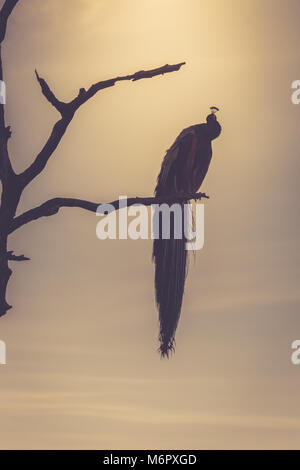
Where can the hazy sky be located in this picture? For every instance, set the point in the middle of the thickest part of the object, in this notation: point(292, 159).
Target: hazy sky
point(82, 368)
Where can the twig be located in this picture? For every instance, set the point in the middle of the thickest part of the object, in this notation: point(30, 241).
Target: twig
point(12, 257)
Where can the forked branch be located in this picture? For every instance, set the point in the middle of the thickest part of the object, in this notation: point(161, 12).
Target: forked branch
point(67, 111)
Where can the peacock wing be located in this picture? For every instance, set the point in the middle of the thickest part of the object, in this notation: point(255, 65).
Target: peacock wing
point(177, 167)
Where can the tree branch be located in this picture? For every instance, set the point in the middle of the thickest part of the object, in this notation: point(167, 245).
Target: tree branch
point(52, 206)
point(12, 257)
point(67, 111)
point(48, 93)
point(42, 158)
point(84, 95)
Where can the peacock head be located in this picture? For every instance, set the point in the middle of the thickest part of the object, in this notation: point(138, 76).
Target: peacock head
point(213, 126)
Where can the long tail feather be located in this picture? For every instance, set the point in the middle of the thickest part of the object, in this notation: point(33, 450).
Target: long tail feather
point(170, 258)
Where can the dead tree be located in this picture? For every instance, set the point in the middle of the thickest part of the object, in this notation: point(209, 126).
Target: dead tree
point(13, 184)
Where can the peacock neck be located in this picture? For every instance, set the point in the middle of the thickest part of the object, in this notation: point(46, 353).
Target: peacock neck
point(214, 129)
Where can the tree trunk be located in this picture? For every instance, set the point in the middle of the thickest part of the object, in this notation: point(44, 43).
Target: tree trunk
point(11, 192)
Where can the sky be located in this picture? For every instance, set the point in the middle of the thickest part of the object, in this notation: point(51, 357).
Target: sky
point(82, 368)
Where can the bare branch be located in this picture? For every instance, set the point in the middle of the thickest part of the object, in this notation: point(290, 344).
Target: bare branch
point(42, 158)
point(52, 206)
point(67, 111)
point(12, 257)
point(84, 95)
point(5, 12)
point(48, 93)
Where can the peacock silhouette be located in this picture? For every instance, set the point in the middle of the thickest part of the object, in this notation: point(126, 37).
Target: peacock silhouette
point(182, 172)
